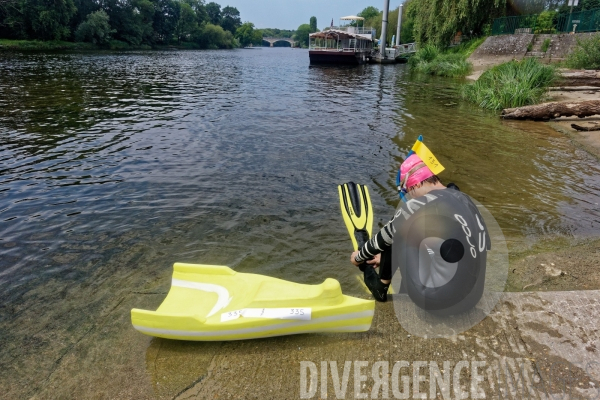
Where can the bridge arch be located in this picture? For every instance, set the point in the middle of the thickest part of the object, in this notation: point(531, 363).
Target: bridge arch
point(273, 40)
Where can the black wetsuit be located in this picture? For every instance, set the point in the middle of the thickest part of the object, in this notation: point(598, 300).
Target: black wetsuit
point(382, 243)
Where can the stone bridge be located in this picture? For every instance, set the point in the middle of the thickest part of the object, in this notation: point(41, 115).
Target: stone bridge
point(272, 40)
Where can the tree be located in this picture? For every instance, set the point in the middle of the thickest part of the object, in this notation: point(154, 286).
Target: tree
point(213, 10)
point(214, 37)
point(84, 8)
point(245, 33)
point(302, 34)
point(48, 20)
point(258, 37)
point(458, 16)
point(199, 10)
point(187, 24)
point(230, 19)
point(95, 29)
point(369, 12)
point(313, 24)
point(408, 24)
point(166, 17)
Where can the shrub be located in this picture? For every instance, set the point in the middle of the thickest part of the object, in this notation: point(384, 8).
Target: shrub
point(429, 60)
point(512, 84)
point(426, 53)
point(468, 47)
point(214, 37)
point(586, 55)
point(95, 29)
point(545, 45)
point(119, 45)
point(546, 22)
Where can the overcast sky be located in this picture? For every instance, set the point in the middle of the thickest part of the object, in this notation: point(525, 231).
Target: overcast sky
point(289, 14)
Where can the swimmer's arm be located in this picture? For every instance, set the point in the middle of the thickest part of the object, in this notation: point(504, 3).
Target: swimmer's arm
point(378, 243)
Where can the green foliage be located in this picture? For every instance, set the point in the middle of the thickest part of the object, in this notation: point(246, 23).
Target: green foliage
point(95, 29)
point(546, 22)
point(467, 47)
point(47, 20)
point(121, 24)
point(373, 18)
point(215, 37)
point(246, 34)
point(430, 60)
point(586, 55)
point(230, 20)
point(530, 46)
point(545, 45)
point(119, 45)
point(375, 22)
point(427, 53)
point(458, 16)
point(257, 38)
point(199, 10)
point(408, 24)
point(36, 45)
point(274, 32)
point(187, 25)
point(313, 24)
point(452, 62)
point(213, 10)
point(512, 84)
point(583, 5)
point(302, 33)
point(369, 12)
point(486, 30)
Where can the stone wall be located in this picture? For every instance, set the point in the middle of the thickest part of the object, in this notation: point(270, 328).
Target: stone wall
point(503, 48)
point(562, 44)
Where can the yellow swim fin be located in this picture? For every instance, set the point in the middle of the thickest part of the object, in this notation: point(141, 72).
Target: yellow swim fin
point(357, 212)
point(216, 303)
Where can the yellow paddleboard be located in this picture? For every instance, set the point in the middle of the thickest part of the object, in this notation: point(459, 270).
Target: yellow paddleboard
point(213, 303)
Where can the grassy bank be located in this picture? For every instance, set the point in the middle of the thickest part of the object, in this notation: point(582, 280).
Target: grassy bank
point(512, 84)
point(450, 62)
point(7, 44)
point(38, 45)
point(586, 55)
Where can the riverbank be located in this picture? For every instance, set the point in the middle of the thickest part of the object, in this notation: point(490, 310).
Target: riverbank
point(497, 50)
point(37, 45)
point(539, 335)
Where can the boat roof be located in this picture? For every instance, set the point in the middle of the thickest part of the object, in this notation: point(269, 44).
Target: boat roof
point(352, 18)
point(338, 34)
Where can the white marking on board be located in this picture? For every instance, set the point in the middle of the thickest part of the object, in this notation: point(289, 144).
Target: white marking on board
point(272, 313)
point(222, 293)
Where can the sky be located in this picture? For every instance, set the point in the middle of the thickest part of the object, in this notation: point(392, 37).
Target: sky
point(289, 14)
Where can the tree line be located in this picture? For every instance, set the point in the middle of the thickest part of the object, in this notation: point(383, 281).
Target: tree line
point(123, 22)
point(422, 20)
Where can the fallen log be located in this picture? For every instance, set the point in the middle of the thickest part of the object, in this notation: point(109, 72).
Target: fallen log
point(573, 88)
point(580, 78)
point(546, 111)
point(585, 128)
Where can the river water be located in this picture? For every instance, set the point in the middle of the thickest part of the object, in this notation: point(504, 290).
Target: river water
point(115, 165)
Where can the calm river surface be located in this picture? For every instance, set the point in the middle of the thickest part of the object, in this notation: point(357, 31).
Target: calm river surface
point(115, 165)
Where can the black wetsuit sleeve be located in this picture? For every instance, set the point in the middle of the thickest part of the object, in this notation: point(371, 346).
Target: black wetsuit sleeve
point(378, 243)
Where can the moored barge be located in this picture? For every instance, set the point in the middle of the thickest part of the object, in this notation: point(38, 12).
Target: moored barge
point(342, 44)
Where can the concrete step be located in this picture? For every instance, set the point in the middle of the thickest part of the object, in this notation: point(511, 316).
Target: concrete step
point(538, 54)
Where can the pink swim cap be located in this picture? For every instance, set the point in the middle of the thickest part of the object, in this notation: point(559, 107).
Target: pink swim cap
point(413, 171)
